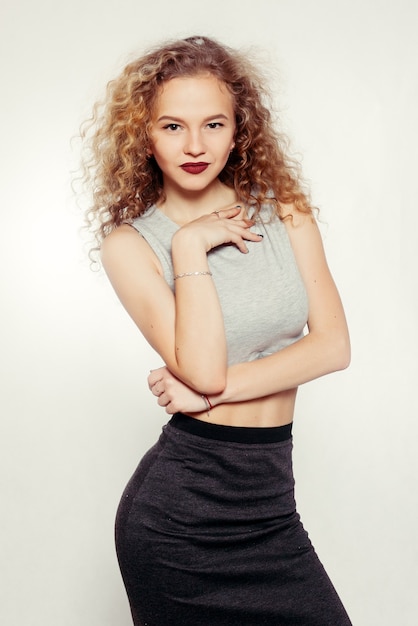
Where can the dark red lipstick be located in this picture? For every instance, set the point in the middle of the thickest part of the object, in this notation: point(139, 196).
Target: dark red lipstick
point(194, 168)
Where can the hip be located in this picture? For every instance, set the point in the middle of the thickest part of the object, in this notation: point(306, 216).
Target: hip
point(213, 479)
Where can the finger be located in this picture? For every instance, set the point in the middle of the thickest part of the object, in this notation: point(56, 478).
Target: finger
point(238, 240)
point(153, 382)
point(157, 390)
point(249, 236)
point(154, 377)
point(163, 400)
point(170, 409)
point(230, 212)
point(241, 236)
point(242, 223)
point(241, 228)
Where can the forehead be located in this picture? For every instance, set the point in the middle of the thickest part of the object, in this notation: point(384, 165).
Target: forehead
point(202, 93)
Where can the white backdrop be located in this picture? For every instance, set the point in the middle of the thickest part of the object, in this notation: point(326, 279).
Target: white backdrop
point(76, 414)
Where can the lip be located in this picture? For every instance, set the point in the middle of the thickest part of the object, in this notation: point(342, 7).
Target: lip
point(194, 168)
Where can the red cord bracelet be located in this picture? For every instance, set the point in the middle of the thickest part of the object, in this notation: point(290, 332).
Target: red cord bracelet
point(208, 402)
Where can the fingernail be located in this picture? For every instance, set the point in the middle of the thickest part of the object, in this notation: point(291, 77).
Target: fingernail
point(260, 235)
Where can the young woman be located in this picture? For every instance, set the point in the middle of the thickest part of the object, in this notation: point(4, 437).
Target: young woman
point(210, 243)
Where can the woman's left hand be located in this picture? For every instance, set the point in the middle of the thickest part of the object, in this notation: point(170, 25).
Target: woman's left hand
point(173, 394)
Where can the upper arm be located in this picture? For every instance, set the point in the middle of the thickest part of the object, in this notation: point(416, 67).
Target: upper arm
point(136, 276)
point(326, 313)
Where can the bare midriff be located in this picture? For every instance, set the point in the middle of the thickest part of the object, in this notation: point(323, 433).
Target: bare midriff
point(274, 410)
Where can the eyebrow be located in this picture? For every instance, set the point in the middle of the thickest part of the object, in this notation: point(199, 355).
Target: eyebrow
point(178, 119)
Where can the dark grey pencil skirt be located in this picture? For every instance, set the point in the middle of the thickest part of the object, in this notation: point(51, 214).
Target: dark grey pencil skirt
point(207, 533)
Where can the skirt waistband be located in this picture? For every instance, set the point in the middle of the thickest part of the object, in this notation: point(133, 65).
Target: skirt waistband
point(237, 434)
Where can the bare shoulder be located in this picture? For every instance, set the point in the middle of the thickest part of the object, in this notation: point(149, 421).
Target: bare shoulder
point(296, 220)
point(304, 235)
point(132, 266)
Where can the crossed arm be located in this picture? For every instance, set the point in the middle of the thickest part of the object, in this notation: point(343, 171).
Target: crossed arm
point(196, 362)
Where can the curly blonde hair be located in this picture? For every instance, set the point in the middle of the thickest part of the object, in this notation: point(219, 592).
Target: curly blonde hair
point(125, 181)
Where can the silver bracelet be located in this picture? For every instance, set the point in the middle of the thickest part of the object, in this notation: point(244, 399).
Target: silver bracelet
point(192, 274)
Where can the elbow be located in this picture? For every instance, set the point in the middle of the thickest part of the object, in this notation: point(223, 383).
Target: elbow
point(207, 382)
point(210, 386)
point(333, 350)
point(341, 352)
point(205, 377)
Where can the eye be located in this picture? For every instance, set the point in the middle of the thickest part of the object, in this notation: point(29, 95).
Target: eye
point(215, 125)
point(172, 127)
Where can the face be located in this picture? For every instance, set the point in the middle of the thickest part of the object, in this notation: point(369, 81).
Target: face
point(192, 132)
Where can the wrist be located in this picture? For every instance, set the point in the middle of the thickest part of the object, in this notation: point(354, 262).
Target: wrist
point(208, 403)
point(185, 242)
point(188, 257)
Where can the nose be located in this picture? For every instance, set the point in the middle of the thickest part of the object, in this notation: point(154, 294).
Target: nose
point(194, 145)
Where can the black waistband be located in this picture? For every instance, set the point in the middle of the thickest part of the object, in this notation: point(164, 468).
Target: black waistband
point(237, 434)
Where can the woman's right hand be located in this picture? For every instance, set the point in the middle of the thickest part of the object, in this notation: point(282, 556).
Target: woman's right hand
point(225, 226)
point(174, 395)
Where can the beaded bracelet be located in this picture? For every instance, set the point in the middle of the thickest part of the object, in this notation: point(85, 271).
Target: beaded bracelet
point(192, 274)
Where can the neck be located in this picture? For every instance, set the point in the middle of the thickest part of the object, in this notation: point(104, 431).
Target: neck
point(184, 206)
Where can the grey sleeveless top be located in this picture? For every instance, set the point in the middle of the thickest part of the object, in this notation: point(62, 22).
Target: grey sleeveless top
point(262, 295)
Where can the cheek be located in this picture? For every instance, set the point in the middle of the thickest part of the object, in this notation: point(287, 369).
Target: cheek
point(157, 150)
point(155, 143)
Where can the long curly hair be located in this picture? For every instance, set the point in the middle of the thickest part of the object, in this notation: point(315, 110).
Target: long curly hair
point(124, 181)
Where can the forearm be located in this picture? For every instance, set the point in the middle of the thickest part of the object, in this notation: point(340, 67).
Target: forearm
point(311, 357)
point(326, 348)
point(200, 344)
